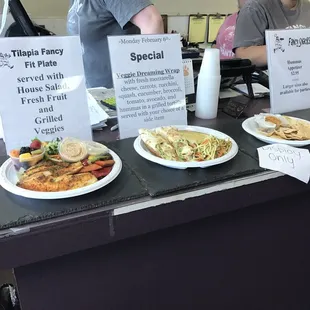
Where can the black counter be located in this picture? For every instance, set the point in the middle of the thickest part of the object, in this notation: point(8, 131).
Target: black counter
point(227, 237)
point(139, 178)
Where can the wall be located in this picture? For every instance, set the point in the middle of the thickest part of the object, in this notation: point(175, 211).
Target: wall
point(59, 8)
point(52, 13)
point(186, 7)
point(46, 8)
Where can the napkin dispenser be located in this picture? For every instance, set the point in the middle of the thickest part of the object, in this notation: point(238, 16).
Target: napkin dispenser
point(261, 77)
point(192, 53)
point(234, 68)
point(231, 69)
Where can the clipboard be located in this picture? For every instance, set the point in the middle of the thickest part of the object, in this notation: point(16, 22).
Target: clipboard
point(197, 29)
point(165, 21)
point(215, 23)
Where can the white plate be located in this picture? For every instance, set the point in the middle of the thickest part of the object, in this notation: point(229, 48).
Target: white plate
point(8, 180)
point(251, 127)
point(145, 153)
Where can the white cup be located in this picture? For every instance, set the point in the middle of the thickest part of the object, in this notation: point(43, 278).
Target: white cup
point(207, 97)
point(211, 62)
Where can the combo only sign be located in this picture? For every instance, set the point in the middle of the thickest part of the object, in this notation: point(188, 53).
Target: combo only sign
point(43, 90)
point(286, 159)
point(289, 66)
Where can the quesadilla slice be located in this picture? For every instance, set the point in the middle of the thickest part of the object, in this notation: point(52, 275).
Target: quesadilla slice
point(181, 145)
point(157, 145)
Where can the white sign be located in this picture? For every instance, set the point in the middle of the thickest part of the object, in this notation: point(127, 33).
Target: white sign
point(289, 160)
point(97, 115)
point(289, 66)
point(43, 90)
point(149, 82)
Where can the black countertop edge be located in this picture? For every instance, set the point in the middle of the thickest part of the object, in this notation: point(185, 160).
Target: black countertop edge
point(102, 228)
point(45, 222)
point(28, 220)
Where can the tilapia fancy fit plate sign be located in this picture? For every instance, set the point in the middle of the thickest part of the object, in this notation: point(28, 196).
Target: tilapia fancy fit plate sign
point(43, 91)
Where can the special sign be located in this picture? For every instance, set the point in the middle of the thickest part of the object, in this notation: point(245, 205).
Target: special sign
point(149, 83)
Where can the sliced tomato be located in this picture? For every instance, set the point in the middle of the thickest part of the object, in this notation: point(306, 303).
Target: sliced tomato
point(101, 173)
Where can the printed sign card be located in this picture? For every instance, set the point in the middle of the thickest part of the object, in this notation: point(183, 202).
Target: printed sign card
point(149, 82)
point(292, 161)
point(43, 90)
point(188, 76)
point(289, 66)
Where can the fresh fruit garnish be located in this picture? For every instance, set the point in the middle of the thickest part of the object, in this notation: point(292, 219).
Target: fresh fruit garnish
point(24, 149)
point(25, 157)
point(14, 153)
point(36, 152)
point(35, 144)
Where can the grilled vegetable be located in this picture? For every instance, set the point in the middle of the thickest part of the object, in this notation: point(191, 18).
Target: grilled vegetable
point(90, 168)
point(105, 163)
point(99, 174)
point(93, 158)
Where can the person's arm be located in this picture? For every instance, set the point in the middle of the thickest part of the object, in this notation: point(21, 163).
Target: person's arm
point(141, 13)
point(249, 42)
point(257, 54)
point(149, 21)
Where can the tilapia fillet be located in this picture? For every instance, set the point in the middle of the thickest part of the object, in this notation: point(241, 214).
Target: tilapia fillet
point(53, 169)
point(48, 176)
point(44, 182)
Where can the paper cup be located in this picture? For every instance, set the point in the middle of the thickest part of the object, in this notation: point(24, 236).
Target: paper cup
point(207, 97)
point(211, 63)
point(22, 166)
